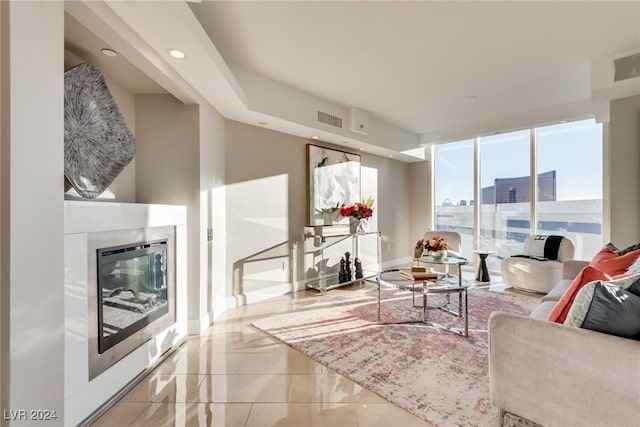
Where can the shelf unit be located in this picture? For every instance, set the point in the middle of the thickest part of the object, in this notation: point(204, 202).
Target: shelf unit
point(323, 250)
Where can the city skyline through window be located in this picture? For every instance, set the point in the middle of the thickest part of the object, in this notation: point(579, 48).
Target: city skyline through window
point(568, 201)
point(504, 165)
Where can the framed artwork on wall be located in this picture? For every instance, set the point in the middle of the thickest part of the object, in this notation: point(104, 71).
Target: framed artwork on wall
point(333, 180)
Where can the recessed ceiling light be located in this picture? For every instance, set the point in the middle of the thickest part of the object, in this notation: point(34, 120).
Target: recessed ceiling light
point(361, 148)
point(564, 121)
point(315, 137)
point(177, 53)
point(109, 52)
point(391, 155)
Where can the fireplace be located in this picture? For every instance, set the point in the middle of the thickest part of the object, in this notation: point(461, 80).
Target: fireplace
point(132, 295)
point(132, 290)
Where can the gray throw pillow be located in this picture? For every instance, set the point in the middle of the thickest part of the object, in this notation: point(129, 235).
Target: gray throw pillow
point(635, 288)
point(614, 311)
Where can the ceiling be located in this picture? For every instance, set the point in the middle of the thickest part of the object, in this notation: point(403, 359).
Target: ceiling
point(426, 65)
point(86, 46)
point(423, 72)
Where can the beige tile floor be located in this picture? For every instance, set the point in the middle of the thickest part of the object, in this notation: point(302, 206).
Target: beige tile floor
point(235, 375)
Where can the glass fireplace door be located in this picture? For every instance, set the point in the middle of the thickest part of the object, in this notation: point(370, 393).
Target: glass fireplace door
point(132, 289)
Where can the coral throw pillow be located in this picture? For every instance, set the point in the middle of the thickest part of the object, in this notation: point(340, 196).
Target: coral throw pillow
point(613, 264)
point(586, 275)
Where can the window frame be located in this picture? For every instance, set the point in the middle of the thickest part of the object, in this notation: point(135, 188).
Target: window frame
point(533, 188)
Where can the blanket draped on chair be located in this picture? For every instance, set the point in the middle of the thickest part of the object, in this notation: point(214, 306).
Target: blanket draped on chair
point(543, 248)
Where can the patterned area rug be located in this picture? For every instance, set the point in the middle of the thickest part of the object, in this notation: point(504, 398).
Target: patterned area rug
point(436, 375)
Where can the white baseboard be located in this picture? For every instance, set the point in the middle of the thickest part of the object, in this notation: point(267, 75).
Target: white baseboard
point(196, 327)
point(220, 308)
point(263, 294)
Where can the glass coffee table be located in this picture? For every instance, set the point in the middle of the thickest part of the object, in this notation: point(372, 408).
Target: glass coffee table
point(443, 284)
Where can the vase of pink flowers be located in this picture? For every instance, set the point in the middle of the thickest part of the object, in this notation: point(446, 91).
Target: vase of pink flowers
point(436, 247)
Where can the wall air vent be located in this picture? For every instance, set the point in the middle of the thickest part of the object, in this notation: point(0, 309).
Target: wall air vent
point(329, 119)
point(627, 67)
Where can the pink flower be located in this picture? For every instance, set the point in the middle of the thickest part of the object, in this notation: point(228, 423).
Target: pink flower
point(436, 243)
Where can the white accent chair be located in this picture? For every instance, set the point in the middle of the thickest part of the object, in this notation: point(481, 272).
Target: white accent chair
point(531, 275)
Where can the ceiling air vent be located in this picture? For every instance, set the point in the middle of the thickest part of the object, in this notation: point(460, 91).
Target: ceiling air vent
point(329, 119)
point(627, 67)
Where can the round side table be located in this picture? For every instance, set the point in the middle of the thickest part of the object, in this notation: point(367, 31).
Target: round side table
point(483, 271)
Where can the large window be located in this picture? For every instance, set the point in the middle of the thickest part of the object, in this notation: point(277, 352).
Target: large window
point(453, 171)
point(567, 200)
point(505, 184)
point(570, 157)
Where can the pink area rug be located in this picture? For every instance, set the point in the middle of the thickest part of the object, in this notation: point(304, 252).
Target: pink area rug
point(436, 375)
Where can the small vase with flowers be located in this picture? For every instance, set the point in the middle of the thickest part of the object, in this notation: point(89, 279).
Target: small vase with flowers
point(436, 247)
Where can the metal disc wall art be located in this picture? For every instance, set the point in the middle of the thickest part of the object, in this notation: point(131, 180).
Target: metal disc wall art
point(97, 142)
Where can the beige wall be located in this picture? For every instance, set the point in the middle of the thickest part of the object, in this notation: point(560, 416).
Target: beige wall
point(623, 178)
point(389, 182)
point(212, 214)
point(266, 206)
point(265, 179)
point(181, 160)
point(4, 104)
point(123, 187)
point(32, 282)
point(167, 170)
point(167, 151)
point(420, 218)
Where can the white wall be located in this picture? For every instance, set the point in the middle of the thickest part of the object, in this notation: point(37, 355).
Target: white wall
point(624, 174)
point(279, 100)
point(32, 209)
point(88, 224)
point(266, 208)
point(212, 215)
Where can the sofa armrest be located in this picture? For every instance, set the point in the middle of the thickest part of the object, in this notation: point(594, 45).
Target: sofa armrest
point(571, 268)
point(558, 375)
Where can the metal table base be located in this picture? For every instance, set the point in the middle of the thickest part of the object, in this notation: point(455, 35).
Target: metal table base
point(423, 288)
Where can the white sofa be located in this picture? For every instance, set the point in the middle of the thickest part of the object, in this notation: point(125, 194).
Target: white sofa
point(557, 375)
point(536, 276)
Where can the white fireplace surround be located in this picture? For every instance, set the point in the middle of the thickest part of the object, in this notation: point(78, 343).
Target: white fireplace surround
point(83, 396)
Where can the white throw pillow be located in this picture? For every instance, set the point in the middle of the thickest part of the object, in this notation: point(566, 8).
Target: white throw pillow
point(635, 267)
point(536, 245)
